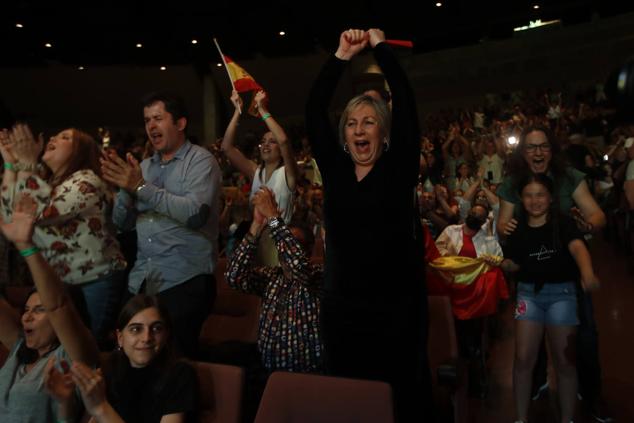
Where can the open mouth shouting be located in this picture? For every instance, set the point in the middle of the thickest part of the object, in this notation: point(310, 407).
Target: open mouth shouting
point(362, 146)
point(538, 164)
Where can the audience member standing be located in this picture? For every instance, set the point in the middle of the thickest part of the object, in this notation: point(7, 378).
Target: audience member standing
point(172, 198)
point(74, 204)
point(373, 311)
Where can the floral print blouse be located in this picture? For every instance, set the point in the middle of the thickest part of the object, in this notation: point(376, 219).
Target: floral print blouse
point(72, 225)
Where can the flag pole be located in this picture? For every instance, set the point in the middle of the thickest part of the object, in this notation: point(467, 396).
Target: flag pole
point(222, 56)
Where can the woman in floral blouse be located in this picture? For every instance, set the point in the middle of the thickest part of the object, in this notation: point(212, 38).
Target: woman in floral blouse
point(72, 227)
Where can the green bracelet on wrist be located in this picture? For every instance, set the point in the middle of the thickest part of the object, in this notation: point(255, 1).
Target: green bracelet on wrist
point(9, 166)
point(265, 116)
point(29, 251)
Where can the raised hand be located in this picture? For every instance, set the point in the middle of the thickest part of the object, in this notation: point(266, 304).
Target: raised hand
point(25, 148)
point(59, 385)
point(260, 99)
point(375, 36)
point(351, 42)
point(264, 202)
point(236, 100)
point(6, 147)
point(92, 387)
point(20, 229)
point(124, 174)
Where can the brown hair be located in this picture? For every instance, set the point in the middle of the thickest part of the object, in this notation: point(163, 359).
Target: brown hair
point(85, 155)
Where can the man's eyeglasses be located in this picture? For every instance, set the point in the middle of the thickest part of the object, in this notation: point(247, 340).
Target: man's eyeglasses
point(531, 148)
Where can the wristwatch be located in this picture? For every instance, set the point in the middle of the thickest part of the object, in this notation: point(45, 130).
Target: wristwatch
point(140, 186)
point(274, 222)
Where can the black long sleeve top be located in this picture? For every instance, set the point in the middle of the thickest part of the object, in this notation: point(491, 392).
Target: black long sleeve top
point(373, 251)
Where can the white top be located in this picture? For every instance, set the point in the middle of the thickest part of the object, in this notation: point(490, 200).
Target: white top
point(493, 164)
point(449, 242)
point(277, 184)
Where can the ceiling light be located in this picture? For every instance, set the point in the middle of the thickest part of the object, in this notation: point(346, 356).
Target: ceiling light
point(194, 41)
point(282, 33)
point(163, 68)
point(19, 25)
point(219, 64)
point(535, 6)
point(80, 68)
point(48, 45)
point(439, 4)
point(139, 45)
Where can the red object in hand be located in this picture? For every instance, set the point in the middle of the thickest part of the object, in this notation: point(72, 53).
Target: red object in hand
point(400, 43)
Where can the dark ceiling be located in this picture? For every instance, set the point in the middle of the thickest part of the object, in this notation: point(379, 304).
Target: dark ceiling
point(105, 33)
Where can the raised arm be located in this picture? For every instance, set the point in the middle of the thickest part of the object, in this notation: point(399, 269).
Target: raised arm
point(242, 274)
point(286, 149)
point(293, 259)
point(9, 175)
point(235, 156)
point(322, 137)
point(69, 328)
point(405, 132)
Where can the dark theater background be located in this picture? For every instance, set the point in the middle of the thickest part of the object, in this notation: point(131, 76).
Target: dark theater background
point(88, 64)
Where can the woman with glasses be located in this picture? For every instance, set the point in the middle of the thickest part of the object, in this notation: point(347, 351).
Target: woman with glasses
point(278, 170)
point(539, 153)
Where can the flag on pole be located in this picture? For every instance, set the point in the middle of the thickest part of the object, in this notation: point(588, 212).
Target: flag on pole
point(242, 81)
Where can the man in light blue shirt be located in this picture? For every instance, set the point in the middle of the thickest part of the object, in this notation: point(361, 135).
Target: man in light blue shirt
point(172, 199)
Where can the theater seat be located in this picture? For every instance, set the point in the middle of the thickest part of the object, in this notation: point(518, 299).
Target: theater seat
point(229, 333)
point(304, 398)
point(449, 371)
point(220, 393)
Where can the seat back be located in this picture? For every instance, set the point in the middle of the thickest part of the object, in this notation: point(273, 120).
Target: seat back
point(306, 398)
point(449, 373)
point(442, 332)
point(234, 316)
point(220, 392)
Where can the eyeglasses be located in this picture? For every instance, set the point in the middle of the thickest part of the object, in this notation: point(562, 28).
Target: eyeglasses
point(531, 148)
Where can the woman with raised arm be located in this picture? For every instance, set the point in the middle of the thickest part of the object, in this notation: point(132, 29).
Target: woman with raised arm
point(49, 332)
point(72, 226)
point(278, 170)
point(373, 311)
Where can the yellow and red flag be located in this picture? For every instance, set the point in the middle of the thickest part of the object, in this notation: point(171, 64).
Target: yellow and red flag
point(242, 81)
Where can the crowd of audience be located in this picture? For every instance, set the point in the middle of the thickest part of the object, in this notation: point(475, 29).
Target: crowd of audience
point(190, 205)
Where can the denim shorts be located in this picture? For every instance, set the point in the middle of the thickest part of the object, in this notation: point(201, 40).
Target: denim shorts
point(554, 304)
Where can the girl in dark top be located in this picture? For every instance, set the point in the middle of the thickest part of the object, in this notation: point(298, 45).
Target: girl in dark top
point(548, 252)
point(143, 381)
point(373, 312)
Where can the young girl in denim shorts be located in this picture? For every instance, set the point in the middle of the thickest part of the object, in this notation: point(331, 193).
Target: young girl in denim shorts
point(549, 255)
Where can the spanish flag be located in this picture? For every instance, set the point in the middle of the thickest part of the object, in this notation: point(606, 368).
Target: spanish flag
point(241, 79)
